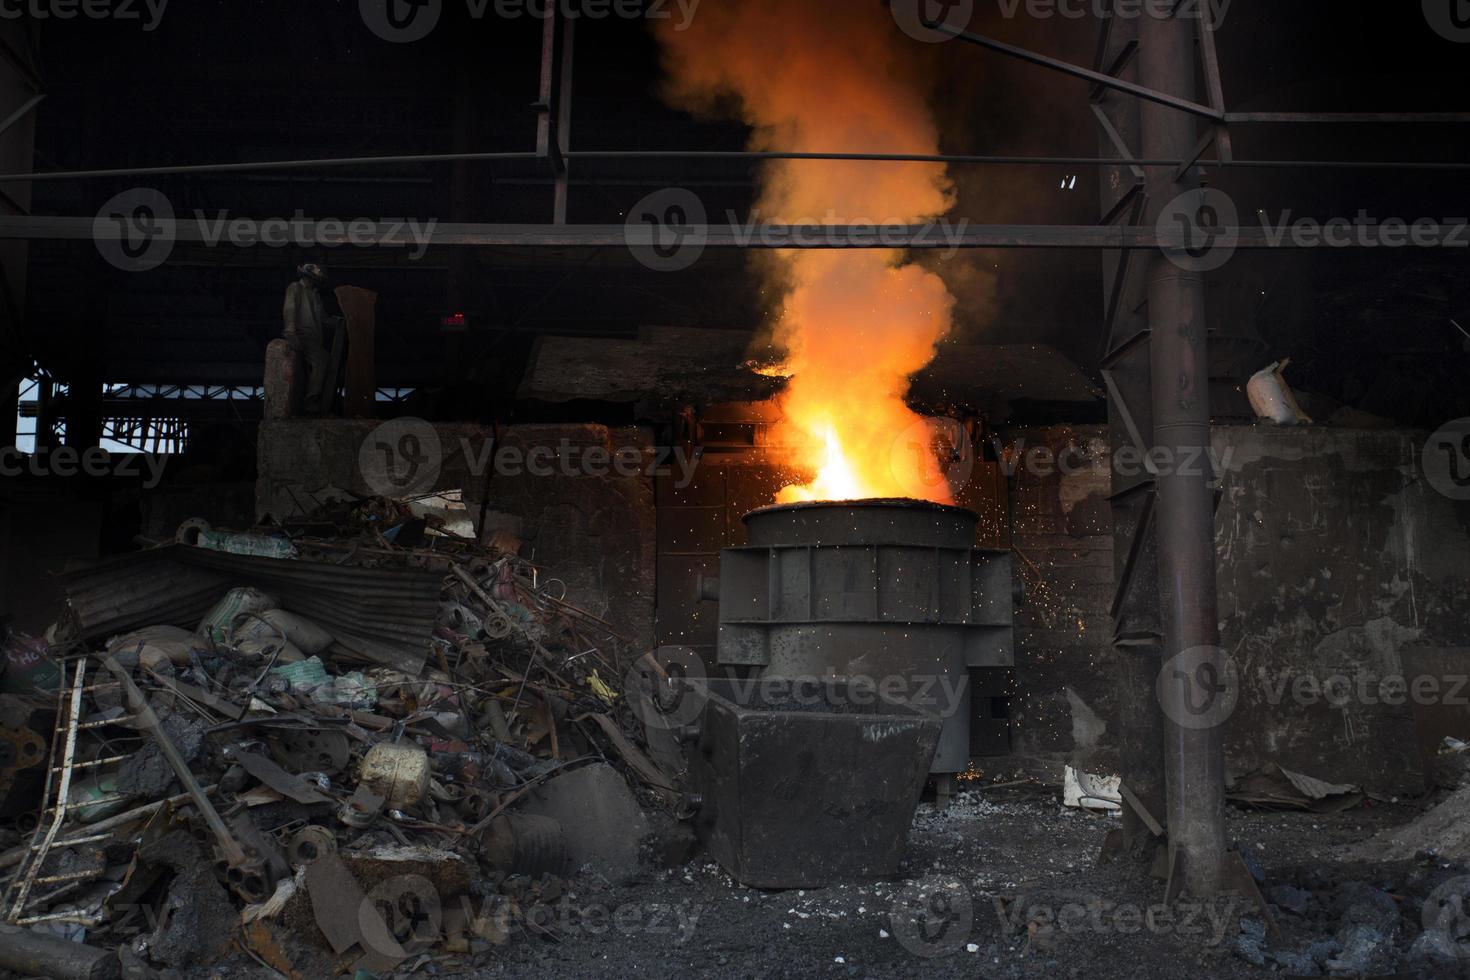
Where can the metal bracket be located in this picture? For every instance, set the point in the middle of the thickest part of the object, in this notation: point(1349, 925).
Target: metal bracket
point(1135, 548)
point(1236, 876)
point(1120, 277)
point(1136, 805)
point(1134, 435)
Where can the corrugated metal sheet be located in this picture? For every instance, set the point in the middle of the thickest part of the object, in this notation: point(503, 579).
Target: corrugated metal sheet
point(117, 595)
point(384, 615)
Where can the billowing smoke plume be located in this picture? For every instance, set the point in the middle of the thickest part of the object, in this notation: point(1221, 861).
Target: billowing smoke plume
point(835, 75)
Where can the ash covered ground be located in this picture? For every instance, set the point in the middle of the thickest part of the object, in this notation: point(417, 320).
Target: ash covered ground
point(1003, 884)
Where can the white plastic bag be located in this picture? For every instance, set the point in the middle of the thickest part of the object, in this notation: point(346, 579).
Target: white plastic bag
point(1272, 398)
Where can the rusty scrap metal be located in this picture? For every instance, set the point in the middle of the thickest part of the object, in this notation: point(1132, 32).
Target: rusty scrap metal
point(33, 954)
point(287, 784)
point(521, 694)
point(247, 875)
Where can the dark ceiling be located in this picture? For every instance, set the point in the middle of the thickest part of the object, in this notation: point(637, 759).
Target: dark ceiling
point(230, 81)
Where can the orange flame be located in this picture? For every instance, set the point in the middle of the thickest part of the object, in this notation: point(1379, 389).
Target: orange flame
point(856, 324)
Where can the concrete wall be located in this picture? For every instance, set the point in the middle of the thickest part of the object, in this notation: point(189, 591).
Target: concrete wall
point(1335, 556)
point(305, 464)
point(164, 508)
point(585, 522)
point(596, 533)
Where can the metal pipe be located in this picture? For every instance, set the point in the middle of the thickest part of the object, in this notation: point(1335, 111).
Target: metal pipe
point(1193, 748)
point(564, 121)
point(234, 854)
point(942, 236)
point(753, 156)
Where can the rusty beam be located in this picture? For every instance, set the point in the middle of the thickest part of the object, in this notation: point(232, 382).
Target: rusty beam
point(959, 235)
point(740, 156)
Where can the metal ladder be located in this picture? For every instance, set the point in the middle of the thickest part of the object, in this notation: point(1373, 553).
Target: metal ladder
point(55, 807)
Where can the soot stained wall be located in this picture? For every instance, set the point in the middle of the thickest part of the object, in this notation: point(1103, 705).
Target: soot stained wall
point(1335, 556)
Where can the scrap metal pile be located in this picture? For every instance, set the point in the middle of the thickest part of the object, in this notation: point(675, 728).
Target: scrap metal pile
point(329, 753)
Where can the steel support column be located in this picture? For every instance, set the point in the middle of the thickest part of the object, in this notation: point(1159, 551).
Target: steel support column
point(83, 408)
point(1137, 635)
point(9, 404)
point(1184, 506)
point(45, 415)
